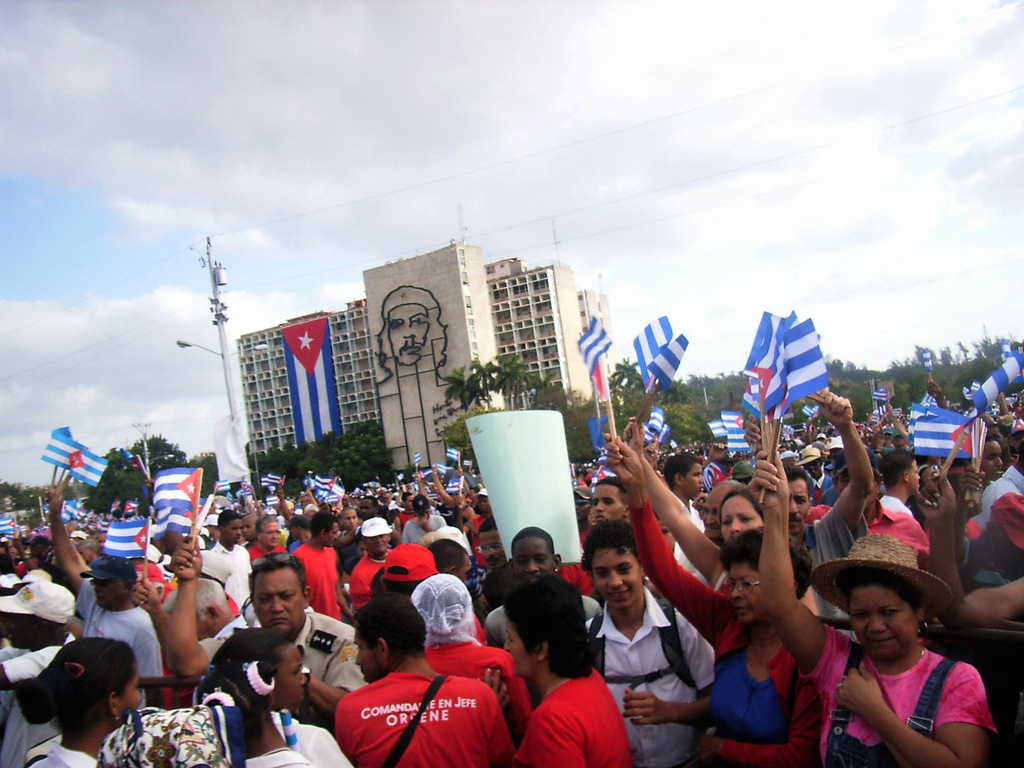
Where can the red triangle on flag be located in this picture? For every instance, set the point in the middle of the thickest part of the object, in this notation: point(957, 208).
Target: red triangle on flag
point(306, 341)
point(75, 460)
point(190, 486)
point(140, 537)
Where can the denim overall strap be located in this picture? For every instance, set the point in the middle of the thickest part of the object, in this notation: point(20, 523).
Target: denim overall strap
point(923, 719)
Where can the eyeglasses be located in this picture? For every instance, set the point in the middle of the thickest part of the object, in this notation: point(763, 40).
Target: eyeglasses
point(741, 586)
point(491, 547)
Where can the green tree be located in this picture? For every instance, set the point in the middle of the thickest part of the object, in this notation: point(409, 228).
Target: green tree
point(361, 454)
point(511, 378)
point(208, 462)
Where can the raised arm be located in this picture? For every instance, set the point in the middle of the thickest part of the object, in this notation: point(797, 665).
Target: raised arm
point(67, 557)
point(799, 630)
point(185, 656)
point(850, 503)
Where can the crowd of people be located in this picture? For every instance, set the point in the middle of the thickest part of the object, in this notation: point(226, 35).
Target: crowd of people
point(756, 610)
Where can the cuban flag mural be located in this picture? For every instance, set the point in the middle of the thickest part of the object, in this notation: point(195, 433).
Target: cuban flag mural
point(314, 394)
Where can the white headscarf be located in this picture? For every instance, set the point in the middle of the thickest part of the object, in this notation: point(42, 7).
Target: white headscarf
point(447, 609)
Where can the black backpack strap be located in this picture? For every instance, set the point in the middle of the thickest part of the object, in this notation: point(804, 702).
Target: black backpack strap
point(672, 647)
point(595, 643)
point(403, 741)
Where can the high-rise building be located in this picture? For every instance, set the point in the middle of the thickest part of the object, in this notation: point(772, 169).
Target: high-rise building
point(536, 317)
point(265, 386)
point(422, 318)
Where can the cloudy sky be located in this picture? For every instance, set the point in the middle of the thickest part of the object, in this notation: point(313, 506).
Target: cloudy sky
point(860, 164)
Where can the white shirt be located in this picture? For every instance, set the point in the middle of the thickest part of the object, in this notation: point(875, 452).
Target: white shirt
point(237, 584)
point(657, 746)
point(895, 505)
point(681, 558)
point(1012, 481)
point(61, 757)
point(19, 734)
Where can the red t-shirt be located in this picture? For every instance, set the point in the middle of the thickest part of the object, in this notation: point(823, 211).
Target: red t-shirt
point(579, 578)
point(256, 552)
point(578, 725)
point(359, 581)
point(321, 578)
point(463, 725)
point(469, 660)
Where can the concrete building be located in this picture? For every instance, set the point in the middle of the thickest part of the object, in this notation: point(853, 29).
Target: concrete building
point(422, 318)
point(265, 388)
point(536, 317)
point(428, 315)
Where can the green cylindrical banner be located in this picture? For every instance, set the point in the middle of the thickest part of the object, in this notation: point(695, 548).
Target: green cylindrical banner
point(524, 462)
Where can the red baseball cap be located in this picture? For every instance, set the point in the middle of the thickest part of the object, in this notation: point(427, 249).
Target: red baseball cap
point(1009, 511)
point(410, 562)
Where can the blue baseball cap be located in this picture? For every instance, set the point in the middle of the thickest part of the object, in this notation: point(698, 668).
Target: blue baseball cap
point(108, 567)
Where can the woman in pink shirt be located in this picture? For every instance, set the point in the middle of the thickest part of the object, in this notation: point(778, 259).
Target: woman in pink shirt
point(886, 700)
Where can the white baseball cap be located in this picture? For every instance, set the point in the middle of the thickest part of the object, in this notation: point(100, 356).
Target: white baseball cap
point(43, 599)
point(375, 526)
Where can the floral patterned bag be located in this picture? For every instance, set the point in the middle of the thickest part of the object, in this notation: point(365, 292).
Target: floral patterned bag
point(192, 737)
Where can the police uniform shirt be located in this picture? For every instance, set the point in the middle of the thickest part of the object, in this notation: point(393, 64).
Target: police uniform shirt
point(328, 650)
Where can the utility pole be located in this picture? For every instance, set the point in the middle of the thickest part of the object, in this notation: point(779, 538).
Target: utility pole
point(219, 277)
point(143, 428)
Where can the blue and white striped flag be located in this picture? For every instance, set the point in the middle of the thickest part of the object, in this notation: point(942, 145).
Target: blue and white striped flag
point(416, 458)
point(927, 401)
point(881, 395)
point(673, 444)
point(718, 428)
point(656, 420)
point(131, 508)
point(454, 485)
point(927, 355)
point(324, 483)
point(126, 538)
point(245, 488)
point(664, 433)
point(811, 411)
point(735, 432)
point(307, 481)
point(1000, 379)
point(270, 480)
point(452, 454)
point(665, 364)
point(65, 452)
point(805, 364)
point(70, 510)
point(441, 469)
point(766, 362)
point(173, 495)
point(933, 432)
point(917, 410)
point(222, 486)
point(6, 525)
point(1005, 353)
point(594, 343)
point(649, 343)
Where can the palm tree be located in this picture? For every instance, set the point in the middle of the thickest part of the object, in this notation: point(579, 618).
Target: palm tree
point(626, 376)
point(464, 389)
point(511, 378)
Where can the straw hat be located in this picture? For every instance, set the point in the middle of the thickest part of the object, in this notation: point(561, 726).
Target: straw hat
point(883, 553)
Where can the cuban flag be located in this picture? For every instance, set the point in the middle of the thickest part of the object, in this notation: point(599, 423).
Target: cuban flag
point(126, 538)
point(271, 480)
point(718, 428)
point(926, 355)
point(601, 474)
point(222, 486)
point(936, 431)
point(766, 362)
point(657, 420)
point(6, 525)
point(735, 432)
point(805, 364)
point(175, 498)
point(810, 411)
point(417, 459)
point(70, 510)
point(272, 501)
point(245, 488)
point(454, 485)
point(65, 452)
point(751, 400)
point(927, 401)
point(115, 506)
point(1001, 377)
point(594, 343)
point(452, 454)
point(310, 366)
point(666, 430)
point(665, 364)
point(134, 460)
point(881, 395)
point(131, 508)
point(673, 445)
point(649, 343)
point(970, 391)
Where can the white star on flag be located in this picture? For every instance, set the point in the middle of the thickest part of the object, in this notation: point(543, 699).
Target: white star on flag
point(306, 340)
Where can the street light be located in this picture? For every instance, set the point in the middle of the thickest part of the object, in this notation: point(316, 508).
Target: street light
point(232, 408)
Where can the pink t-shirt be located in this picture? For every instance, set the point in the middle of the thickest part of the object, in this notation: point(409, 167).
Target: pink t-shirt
point(963, 696)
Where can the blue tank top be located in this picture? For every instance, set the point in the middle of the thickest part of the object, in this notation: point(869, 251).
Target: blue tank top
point(745, 709)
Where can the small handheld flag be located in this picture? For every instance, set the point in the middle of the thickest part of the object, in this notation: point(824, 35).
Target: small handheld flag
point(126, 538)
point(811, 411)
point(594, 343)
point(175, 498)
point(926, 354)
point(452, 454)
point(1000, 379)
point(649, 343)
point(417, 459)
point(665, 364)
point(271, 480)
